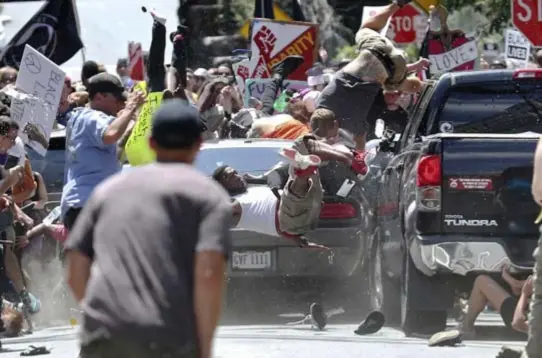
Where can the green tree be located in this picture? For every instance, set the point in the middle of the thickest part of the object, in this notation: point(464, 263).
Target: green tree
point(496, 11)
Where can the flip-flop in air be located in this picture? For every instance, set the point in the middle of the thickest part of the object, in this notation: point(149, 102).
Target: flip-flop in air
point(35, 351)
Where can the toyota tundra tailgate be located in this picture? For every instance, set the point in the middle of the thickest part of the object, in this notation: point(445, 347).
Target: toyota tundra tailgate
point(486, 185)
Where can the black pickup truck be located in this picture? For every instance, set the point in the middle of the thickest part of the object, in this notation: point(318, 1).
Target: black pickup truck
point(455, 198)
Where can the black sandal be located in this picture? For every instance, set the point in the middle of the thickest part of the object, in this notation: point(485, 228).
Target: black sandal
point(35, 351)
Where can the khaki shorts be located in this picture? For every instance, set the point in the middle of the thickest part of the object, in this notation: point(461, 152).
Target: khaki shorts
point(298, 215)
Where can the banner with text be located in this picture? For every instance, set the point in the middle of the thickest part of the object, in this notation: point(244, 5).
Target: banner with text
point(273, 41)
point(42, 81)
point(255, 87)
point(138, 151)
point(517, 47)
point(460, 54)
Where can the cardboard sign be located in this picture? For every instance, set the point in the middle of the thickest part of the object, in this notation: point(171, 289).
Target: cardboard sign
point(137, 147)
point(517, 47)
point(241, 71)
point(255, 87)
point(273, 41)
point(43, 81)
point(460, 57)
point(136, 66)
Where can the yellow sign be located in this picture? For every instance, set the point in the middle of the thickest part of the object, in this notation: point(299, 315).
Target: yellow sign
point(426, 3)
point(137, 147)
point(279, 15)
point(140, 86)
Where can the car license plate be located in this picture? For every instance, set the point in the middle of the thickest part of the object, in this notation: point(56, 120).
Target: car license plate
point(252, 260)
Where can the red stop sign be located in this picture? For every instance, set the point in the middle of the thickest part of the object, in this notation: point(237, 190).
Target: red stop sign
point(403, 24)
point(527, 18)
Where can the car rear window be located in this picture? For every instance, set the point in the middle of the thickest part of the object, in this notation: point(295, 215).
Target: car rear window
point(493, 108)
point(253, 160)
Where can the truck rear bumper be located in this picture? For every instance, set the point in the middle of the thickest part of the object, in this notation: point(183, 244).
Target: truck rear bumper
point(459, 255)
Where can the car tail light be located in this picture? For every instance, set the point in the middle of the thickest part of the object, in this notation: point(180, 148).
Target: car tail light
point(429, 171)
point(527, 73)
point(338, 211)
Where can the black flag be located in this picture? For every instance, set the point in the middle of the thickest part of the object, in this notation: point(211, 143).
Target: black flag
point(264, 9)
point(297, 13)
point(53, 31)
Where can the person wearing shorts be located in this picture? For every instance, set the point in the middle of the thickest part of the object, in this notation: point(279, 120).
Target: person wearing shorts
point(296, 210)
point(352, 91)
point(503, 295)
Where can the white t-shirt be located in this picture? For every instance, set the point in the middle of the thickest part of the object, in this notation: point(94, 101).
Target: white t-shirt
point(259, 206)
point(18, 151)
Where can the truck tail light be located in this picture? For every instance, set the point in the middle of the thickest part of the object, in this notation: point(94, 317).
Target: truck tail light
point(428, 181)
point(526, 73)
point(429, 171)
point(338, 211)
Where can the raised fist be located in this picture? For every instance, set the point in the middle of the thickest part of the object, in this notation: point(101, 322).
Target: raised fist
point(265, 40)
point(243, 72)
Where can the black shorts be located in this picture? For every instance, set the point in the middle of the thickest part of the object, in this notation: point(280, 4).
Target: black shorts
point(507, 309)
point(350, 99)
point(71, 216)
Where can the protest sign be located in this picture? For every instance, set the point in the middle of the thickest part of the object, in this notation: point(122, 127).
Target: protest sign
point(241, 71)
point(255, 87)
point(459, 55)
point(517, 47)
point(137, 147)
point(136, 65)
point(273, 41)
point(43, 82)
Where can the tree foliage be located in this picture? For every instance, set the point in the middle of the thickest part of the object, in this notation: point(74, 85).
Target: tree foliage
point(496, 11)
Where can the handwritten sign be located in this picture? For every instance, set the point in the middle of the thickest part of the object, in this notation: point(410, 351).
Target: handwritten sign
point(43, 81)
point(272, 41)
point(462, 56)
point(255, 87)
point(517, 47)
point(137, 147)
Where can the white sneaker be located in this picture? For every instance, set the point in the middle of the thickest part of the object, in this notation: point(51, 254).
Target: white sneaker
point(300, 161)
point(157, 17)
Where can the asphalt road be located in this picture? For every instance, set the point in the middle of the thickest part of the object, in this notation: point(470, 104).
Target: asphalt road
point(277, 340)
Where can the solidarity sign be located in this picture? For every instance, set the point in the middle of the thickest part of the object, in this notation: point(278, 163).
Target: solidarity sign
point(273, 41)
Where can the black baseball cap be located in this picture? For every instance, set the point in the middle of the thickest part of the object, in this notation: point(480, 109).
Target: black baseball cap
point(106, 83)
point(176, 125)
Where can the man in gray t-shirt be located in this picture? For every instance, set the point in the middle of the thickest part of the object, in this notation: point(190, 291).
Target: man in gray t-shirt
point(146, 257)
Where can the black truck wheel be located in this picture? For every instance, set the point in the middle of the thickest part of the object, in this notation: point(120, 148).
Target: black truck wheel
point(414, 318)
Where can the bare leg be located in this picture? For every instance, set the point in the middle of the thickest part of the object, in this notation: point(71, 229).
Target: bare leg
point(378, 21)
point(485, 290)
point(300, 186)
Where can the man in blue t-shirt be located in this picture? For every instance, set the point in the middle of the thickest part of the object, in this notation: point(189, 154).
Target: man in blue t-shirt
point(91, 137)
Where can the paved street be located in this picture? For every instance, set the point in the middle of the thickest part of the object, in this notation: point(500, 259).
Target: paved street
point(273, 340)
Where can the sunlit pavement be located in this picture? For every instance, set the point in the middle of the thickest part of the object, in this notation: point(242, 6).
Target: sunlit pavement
point(273, 341)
